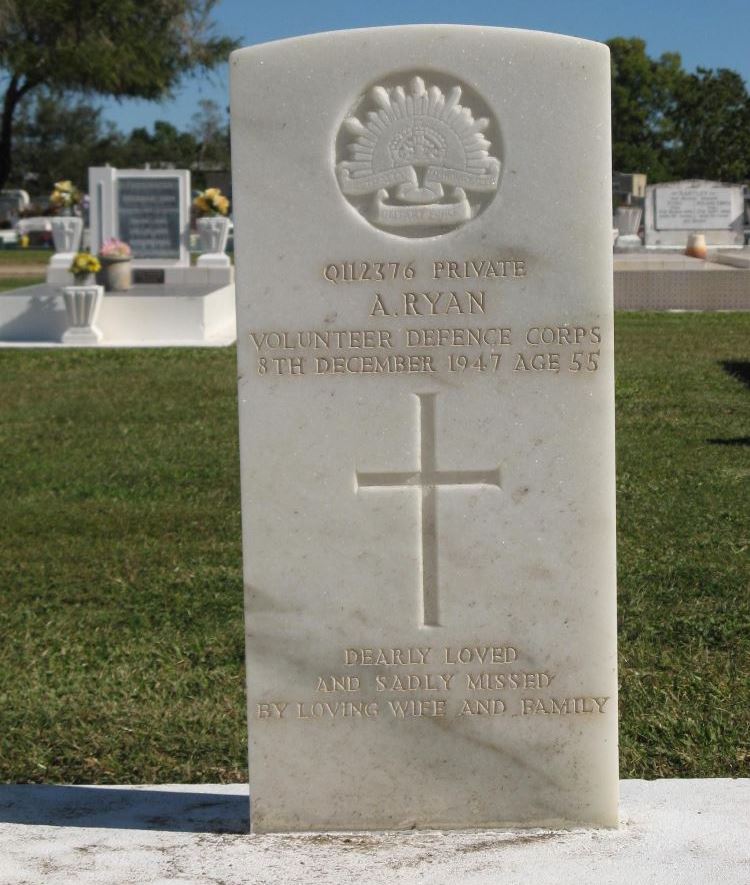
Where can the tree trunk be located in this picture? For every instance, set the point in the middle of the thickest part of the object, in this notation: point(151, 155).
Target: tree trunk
point(13, 94)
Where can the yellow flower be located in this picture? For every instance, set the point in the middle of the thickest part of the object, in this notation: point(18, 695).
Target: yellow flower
point(84, 263)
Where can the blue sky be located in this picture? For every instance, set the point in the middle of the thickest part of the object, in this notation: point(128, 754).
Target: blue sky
point(713, 34)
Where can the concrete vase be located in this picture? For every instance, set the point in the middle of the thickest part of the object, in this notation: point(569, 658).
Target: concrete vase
point(66, 233)
point(116, 274)
point(213, 234)
point(82, 303)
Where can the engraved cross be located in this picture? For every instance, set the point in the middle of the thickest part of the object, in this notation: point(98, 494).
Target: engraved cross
point(427, 478)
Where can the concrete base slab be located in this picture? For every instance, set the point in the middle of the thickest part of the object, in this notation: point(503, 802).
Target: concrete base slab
point(682, 289)
point(144, 316)
point(675, 281)
point(654, 261)
point(738, 258)
point(671, 831)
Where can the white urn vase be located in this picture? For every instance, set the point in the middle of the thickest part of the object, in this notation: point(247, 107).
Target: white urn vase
point(213, 233)
point(66, 233)
point(627, 223)
point(82, 303)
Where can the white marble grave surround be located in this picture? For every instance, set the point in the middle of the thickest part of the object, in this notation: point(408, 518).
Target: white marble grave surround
point(679, 832)
point(145, 316)
point(429, 548)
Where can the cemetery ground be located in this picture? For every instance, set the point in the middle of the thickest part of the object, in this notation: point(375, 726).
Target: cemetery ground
point(121, 658)
point(22, 267)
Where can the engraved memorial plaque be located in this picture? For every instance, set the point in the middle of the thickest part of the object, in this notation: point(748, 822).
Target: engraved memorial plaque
point(148, 214)
point(675, 209)
point(148, 208)
point(425, 347)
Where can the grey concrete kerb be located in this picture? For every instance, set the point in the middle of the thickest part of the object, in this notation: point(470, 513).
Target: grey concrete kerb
point(672, 832)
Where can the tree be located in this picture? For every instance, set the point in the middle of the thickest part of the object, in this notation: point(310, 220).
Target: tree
point(120, 48)
point(712, 126)
point(165, 146)
point(210, 127)
point(643, 101)
point(671, 124)
point(56, 137)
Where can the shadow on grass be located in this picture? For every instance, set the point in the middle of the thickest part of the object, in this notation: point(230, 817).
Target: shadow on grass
point(732, 441)
point(741, 372)
point(737, 369)
point(167, 809)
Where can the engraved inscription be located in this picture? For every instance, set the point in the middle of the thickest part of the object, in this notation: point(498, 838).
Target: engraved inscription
point(415, 159)
point(367, 271)
point(427, 478)
point(424, 682)
point(325, 352)
point(428, 317)
point(696, 208)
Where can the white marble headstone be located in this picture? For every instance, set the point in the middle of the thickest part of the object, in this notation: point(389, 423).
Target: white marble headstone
point(423, 241)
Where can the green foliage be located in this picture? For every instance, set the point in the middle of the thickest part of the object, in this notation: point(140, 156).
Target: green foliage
point(57, 137)
point(110, 47)
point(642, 101)
point(120, 559)
point(165, 144)
point(60, 136)
point(712, 126)
point(101, 47)
point(672, 124)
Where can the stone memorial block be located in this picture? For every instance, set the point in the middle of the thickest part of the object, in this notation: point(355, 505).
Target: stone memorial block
point(148, 208)
point(628, 189)
point(677, 209)
point(427, 428)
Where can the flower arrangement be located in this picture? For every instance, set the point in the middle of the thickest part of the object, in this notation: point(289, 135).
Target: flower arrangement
point(211, 202)
point(83, 265)
point(115, 250)
point(65, 196)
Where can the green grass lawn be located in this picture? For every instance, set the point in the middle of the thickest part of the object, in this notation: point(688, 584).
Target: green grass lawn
point(121, 658)
point(7, 283)
point(25, 256)
point(683, 452)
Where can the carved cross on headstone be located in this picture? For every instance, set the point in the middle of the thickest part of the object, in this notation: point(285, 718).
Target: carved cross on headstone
point(427, 478)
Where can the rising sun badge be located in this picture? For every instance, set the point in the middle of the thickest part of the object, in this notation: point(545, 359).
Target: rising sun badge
point(417, 162)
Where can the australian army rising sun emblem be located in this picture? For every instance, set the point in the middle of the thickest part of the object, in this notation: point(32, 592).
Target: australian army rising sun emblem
point(417, 162)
